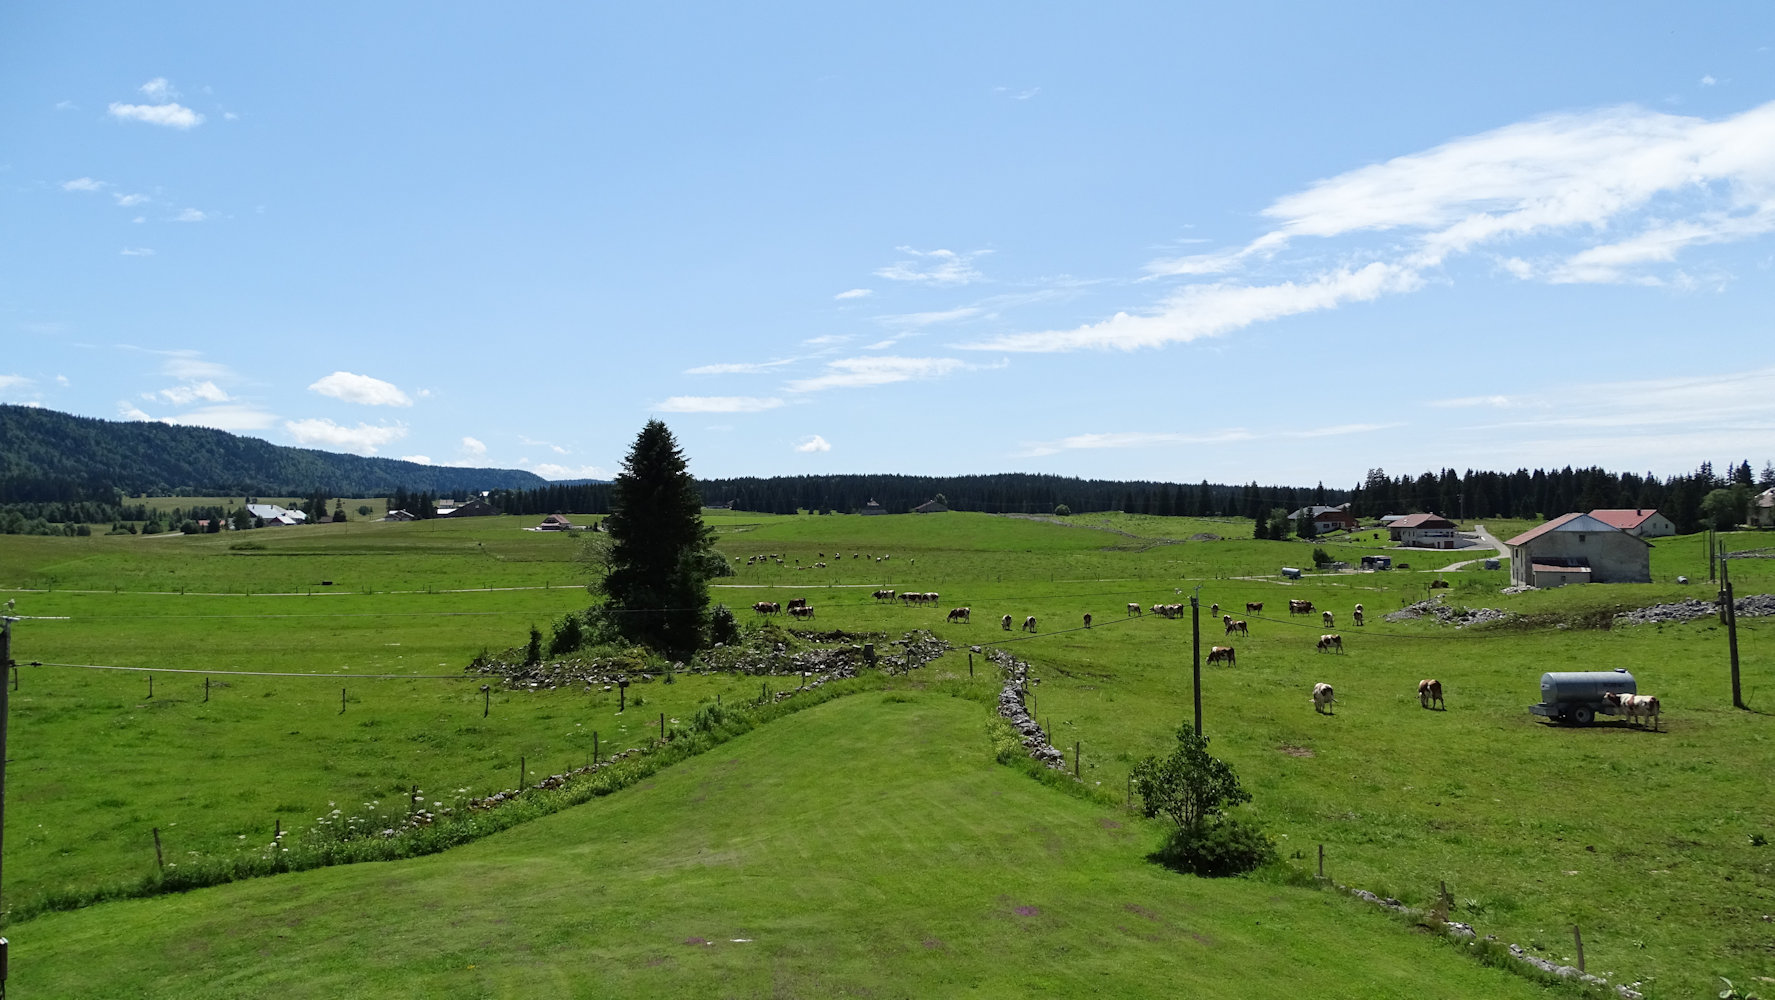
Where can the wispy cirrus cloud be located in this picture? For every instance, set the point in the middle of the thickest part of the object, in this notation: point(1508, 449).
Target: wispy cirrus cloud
point(362, 389)
point(877, 370)
point(137, 252)
point(855, 293)
point(934, 267)
point(84, 184)
point(738, 368)
point(190, 392)
point(363, 439)
point(1155, 439)
point(1612, 195)
point(932, 318)
point(717, 404)
point(550, 470)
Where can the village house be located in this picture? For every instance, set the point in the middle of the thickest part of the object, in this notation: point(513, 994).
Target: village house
point(555, 522)
point(1762, 509)
point(478, 507)
point(1578, 548)
point(929, 507)
point(399, 515)
point(874, 508)
point(1646, 523)
point(274, 516)
point(1425, 531)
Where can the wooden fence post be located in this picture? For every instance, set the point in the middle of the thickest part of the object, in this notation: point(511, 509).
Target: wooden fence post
point(1321, 860)
point(159, 862)
point(1578, 939)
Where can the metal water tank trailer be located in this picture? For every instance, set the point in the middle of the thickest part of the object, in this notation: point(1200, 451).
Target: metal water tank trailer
point(1577, 695)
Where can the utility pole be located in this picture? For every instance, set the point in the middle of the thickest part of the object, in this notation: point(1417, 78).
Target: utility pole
point(1731, 612)
point(5, 710)
point(1195, 617)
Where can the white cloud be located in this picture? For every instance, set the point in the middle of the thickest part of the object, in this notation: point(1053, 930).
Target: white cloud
point(736, 368)
point(1198, 311)
point(1708, 80)
point(14, 382)
point(170, 115)
point(185, 395)
point(934, 267)
point(812, 444)
point(557, 449)
point(130, 411)
point(158, 89)
point(66, 106)
point(826, 339)
point(137, 252)
point(186, 365)
point(362, 389)
point(1017, 95)
point(1151, 439)
point(417, 459)
point(855, 293)
point(1470, 401)
point(84, 184)
point(932, 318)
point(866, 371)
point(363, 439)
point(190, 215)
point(717, 404)
point(129, 200)
point(549, 470)
point(62, 380)
point(473, 446)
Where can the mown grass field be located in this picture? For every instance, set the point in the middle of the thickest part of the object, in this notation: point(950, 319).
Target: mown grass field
point(1643, 839)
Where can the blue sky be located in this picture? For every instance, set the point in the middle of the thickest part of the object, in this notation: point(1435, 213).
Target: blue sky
point(1287, 243)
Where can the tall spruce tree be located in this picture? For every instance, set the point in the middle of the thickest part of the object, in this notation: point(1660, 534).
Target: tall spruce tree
point(661, 554)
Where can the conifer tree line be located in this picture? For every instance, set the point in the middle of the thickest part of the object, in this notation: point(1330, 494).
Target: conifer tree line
point(1469, 495)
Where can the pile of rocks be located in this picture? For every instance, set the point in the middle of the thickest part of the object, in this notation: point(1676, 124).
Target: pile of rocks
point(1458, 617)
point(1754, 606)
point(1011, 706)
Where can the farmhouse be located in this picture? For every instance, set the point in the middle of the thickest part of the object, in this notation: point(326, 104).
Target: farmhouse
point(1646, 523)
point(555, 522)
point(1578, 548)
point(1762, 509)
point(399, 515)
point(478, 507)
point(274, 515)
point(1335, 519)
point(874, 508)
point(1424, 531)
point(929, 507)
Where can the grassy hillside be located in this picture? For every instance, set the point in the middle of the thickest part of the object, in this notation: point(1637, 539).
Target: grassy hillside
point(1644, 839)
point(866, 847)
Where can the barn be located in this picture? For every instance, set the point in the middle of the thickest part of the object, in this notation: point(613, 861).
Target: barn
point(1642, 523)
point(1425, 531)
point(1578, 548)
point(1762, 509)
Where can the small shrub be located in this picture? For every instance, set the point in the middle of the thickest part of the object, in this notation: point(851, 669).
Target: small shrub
point(723, 628)
point(1062, 510)
point(1216, 848)
point(1320, 556)
point(569, 635)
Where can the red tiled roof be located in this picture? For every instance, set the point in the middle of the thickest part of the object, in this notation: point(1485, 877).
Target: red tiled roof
point(1534, 533)
point(1422, 521)
point(1626, 520)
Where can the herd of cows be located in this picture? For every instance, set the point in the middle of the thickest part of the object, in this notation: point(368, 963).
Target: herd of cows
point(1634, 707)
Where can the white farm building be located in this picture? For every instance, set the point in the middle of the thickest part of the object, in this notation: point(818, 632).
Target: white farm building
point(1578, 548)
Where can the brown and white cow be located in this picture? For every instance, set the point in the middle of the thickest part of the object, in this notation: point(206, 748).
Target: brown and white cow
point(1214, 609)
point(1222, 654)
point(1006, 622)
point(1253, 607)
point(1430, 693)
point(1330, 642)
point(1636, 706)
point(1322, 698)
point(766, 607)
point(1029, 624)
point(1327, 618)
point(804, 611)
point(1356, 617)
point(1134, 608)
point(959, 614)
point(1300, 607)
point(1087, 619)
point(1237, 625)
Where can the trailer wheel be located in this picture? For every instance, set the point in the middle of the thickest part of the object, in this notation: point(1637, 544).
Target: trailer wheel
point(1583, 715)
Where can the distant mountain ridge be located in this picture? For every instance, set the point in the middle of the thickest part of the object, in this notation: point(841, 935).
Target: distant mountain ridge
point(44, 451)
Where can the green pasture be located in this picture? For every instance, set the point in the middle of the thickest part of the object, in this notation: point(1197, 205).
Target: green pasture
point(868, 847)
point(1646, 840)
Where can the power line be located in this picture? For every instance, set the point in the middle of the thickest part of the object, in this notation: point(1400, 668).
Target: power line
point(264, 673)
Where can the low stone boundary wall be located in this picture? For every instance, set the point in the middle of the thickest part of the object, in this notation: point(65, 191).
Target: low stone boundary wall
point(1012, 709)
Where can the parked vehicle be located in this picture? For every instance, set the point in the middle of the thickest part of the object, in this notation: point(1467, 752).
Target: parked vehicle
point(1576, 696)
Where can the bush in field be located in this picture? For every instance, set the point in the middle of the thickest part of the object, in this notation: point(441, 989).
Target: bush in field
point(1062, 510)
point(723, 628)
point(533, 651)
point(1193, 788)
point(569, 635)
point(1320, 556)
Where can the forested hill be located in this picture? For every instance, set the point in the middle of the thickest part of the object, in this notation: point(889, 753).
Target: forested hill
point(51, 456)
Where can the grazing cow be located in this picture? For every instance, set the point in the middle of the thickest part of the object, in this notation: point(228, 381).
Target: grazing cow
point(1029, 624)
point(1358, 609)
point(797, 602)
point(805, 611)
point(1087, 619)
point(1253, 607)
point(1637, 706)
point(1322, 698)
point(1356, 616)
point(932, 597)
point(884, 595)
point(1133, 609)
point(1222, 654)
point(1328, 619)
point(1237, 625)
point(1214, 609)
point(766, 607)
point(1330, 642)
point(1438, 584)
point(1430, 692)
point(959, 614)
point(1300, 607)
point(1006, 622)
point(1227, 620)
